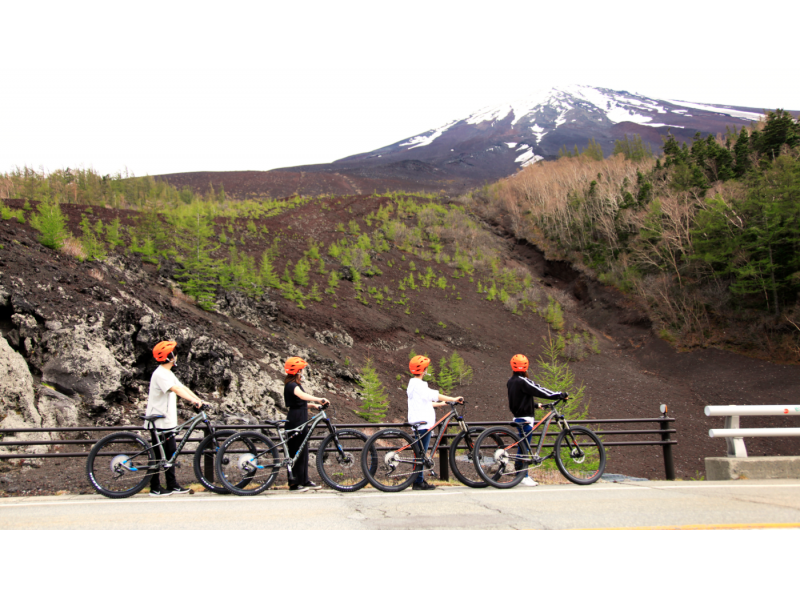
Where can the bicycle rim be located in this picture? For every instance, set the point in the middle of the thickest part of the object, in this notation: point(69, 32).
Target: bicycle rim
point(247, 463)
point(397, 467)
point(580, 456)
point(496, 463)
point(118, 465)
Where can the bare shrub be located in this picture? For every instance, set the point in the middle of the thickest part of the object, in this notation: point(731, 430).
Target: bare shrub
point(73, 248)
point(96, 274)
point(511, 303)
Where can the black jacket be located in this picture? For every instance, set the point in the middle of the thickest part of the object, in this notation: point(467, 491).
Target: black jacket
point(521, 391)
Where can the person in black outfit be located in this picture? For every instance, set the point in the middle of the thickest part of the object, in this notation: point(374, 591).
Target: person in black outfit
point(521, 392)
point(297, 400)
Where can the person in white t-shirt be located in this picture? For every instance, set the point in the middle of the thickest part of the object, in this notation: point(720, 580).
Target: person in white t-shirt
point(162, 400)
point(421, 401)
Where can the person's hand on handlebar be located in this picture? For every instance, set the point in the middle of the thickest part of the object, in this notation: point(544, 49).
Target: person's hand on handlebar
point(321, 405)
point(563, 395)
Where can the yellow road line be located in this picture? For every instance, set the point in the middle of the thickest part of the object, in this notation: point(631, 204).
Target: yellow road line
point(708, 526)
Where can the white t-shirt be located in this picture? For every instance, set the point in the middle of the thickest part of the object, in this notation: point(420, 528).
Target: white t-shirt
point(420, 403)
point(162, 402)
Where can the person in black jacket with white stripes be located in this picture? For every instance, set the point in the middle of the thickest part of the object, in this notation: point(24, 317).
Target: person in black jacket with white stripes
point(521, 392)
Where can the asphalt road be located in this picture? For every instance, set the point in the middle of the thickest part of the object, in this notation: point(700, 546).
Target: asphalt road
point(739, 504)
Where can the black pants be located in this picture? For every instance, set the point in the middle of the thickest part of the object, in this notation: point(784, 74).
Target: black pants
point(170, 446)
point(298, 417)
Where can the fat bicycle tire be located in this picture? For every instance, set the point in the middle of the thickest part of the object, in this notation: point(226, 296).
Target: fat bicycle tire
point(572, 460)
point(384, 472)
point(343, 473)
point(247, 463)
point(495, 465)
point(209, 446)
point(125, 472)
point(461, 459)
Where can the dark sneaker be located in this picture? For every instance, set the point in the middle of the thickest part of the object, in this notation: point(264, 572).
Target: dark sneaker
point(423, 486)
point(180, 490)
point(312, 486)
point(160, 492)
point(298, 489)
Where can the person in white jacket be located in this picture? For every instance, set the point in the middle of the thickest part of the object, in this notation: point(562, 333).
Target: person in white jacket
point(421, 401)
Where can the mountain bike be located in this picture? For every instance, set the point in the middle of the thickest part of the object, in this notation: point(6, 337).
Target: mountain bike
point(579, 454)
point(401, 457)
point(248, 462)
point(120, 464)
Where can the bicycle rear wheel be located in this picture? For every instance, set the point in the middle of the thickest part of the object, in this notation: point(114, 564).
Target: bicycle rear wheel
point(118, 466)
point(390, 460)
point(580, 455)
point(247, 463)
point(496, 459)
point(342, 470)
point(461, 460)
point(209, 447)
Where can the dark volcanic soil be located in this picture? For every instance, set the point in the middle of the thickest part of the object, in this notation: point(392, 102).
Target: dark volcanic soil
point(634, 373)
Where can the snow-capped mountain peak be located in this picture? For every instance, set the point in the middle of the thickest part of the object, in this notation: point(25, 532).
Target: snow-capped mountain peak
point(497, 140)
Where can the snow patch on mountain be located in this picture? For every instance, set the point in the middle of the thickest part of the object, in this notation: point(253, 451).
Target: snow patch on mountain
point(427, 137)
point(721, 109)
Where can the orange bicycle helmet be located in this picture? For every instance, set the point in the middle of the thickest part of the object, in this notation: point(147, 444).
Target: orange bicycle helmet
point(418, 364)
point(519, 363)
point(294, 365)
point(163, 349)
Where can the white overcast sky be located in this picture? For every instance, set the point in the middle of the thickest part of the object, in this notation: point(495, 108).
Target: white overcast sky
point(161, 87)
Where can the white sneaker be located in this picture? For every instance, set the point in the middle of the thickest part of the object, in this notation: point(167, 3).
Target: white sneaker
point(526, 481)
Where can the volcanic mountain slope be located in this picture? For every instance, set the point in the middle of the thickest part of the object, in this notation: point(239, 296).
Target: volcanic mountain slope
point(86, 328)
point(492, 143)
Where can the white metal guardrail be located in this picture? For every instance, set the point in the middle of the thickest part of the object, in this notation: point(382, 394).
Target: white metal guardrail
point(734, 435)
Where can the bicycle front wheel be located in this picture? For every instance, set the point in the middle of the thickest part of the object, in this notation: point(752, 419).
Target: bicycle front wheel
point(119, 465)
point(339, 460)
point(247, 463)
point(580, 455)
point(496, 459)
point(461, 460)
point(390, 460)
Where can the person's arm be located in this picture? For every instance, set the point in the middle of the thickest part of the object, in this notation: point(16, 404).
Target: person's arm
point(304, 396)
point(444, 399)
point(532, 389)
point(185, 393)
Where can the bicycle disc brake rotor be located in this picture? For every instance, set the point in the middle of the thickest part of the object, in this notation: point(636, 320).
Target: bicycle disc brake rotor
point(120, 464)
point(389, 460)
point(247, 463)
point(345, 461)
point(577, 455)
point(501, 456)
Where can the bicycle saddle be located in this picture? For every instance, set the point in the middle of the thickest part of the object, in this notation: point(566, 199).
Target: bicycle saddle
point(277, 422)
point(151, 418)
point(416, 424)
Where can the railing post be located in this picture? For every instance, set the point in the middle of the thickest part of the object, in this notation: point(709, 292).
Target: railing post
point(669, 463)
point(444, 467)
point(736, 447)
point(208, 461)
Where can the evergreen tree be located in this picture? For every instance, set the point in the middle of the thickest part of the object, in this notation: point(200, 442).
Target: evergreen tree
point(741, 152)
point(268, 278)
point(376, 402)
point(51, 224)
point(781, 129)
point(198, 271)
point(445, 379)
